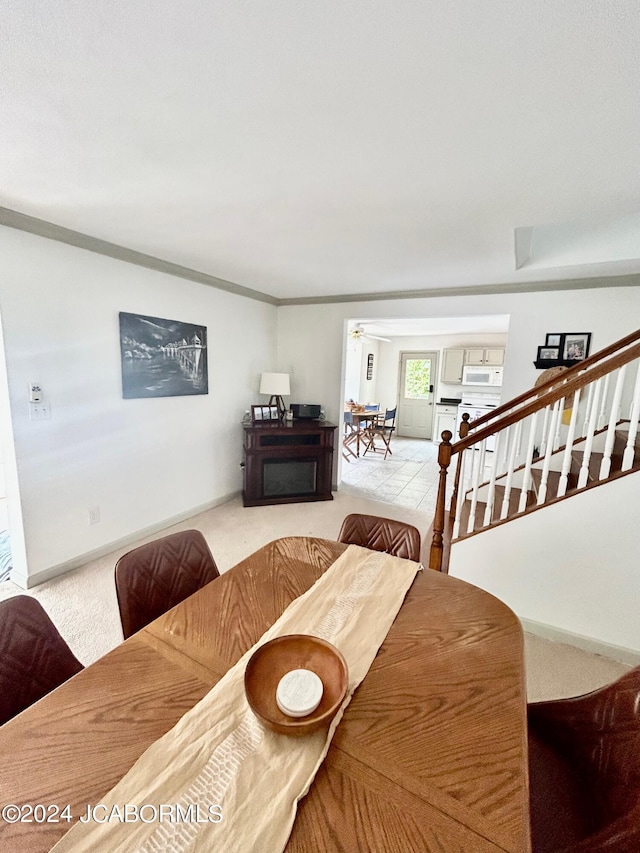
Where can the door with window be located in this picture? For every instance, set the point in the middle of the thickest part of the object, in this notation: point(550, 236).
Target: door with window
point(417, 383)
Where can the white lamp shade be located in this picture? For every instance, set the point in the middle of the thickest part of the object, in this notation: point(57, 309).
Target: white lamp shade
point(275, 384)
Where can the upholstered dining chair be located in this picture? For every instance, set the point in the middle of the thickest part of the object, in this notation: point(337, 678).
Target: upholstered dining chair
point(34, 658)
point(584, 770)
point(381, 534)
point(383, 428)
point(155, 577)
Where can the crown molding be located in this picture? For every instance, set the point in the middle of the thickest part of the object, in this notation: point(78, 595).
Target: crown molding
point(42, 228)
point(473, 290)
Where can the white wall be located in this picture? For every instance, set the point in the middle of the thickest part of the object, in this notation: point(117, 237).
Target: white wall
point(357, 387)
point(572, 565)
point(369, 387)
point(141, 461)
point(312, 338)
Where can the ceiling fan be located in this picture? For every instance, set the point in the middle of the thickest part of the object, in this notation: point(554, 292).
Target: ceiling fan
point(358, 332)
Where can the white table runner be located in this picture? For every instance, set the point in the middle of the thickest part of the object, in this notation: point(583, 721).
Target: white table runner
point(220, 781)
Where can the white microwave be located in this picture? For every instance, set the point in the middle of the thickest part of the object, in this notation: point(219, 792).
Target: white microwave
point(479, 375)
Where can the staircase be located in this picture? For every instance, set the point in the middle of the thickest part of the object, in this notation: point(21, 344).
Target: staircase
point(576, 431)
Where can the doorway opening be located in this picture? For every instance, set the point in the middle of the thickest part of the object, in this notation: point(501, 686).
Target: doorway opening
point(406, 363)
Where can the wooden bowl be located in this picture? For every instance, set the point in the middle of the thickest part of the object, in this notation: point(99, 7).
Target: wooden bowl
point(274, 659)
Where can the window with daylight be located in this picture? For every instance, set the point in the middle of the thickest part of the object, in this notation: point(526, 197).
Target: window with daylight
point(417, 378)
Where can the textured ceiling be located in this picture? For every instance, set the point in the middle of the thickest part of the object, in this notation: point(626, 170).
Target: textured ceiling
point(314, 149)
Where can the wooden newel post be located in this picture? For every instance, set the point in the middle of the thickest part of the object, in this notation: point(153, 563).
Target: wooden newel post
point(444, 458)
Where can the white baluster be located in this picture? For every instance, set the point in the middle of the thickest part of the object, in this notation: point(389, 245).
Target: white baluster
point(568, 448)
point(542, 494)
point(519, 440)
point(583, 477)
point(462, 491)
point(488, 512)
point(556, 435)
point(512, 461)
point(543, 439)
point(630, 449)
point(602, 417)
point(505, 444)
point(605, 465)
point(587, 410)
point(477, 468)
point(526, 482)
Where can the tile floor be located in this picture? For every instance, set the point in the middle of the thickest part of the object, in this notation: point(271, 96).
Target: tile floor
point(408, 477)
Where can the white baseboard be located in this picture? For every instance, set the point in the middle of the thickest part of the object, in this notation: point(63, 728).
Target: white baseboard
point(588, 644)
point(47, 574)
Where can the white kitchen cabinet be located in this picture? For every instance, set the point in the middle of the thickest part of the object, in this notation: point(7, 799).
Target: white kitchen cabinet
point(474, 356)
point(452, 362)
point(493, 356)
point(445, 419)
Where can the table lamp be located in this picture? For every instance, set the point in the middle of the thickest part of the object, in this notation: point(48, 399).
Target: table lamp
point(276, 384)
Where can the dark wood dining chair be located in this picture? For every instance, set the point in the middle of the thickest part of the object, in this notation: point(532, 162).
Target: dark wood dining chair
point(383, 428)
point(155, 577)
point(34, 657)
point(381, 534)
point(584, 770)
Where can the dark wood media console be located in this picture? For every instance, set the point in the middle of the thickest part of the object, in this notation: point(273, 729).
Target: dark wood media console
point(287, 462)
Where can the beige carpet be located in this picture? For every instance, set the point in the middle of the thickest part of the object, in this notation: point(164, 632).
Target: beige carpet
point(83, 605)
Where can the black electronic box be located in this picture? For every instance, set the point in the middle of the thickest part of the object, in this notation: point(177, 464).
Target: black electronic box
point(305, 411)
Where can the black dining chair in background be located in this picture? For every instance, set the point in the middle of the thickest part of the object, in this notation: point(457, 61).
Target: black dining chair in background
point(34, 657)
point(349, 437)
point(155, 577)
point(584, 770)
point(383, 428)
point(381, 534)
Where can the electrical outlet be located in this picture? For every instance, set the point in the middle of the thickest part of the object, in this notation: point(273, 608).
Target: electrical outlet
point(39, 411)
point(94, 515)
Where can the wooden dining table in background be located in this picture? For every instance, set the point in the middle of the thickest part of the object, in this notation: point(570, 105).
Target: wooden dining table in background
point(429, 756)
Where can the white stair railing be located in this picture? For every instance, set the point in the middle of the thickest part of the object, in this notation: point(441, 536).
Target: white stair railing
point(542, 493)
point(510, 468)
point(488, 512)
point(583, 476)
point(614, 416)
point(593, 405)
point(630, 449)
point(568, 450)
point(536, 433)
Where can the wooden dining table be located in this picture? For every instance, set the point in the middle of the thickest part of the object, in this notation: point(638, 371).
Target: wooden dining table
point(430, 755)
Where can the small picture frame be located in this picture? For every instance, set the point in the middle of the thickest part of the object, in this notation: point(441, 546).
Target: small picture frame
point(553, 339)
point(548, 353)
point(576, 346)
point(370, 366)
point(260, 414)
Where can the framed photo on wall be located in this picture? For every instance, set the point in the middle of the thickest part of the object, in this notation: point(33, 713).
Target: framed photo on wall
point(576, 346)
point(370, 366)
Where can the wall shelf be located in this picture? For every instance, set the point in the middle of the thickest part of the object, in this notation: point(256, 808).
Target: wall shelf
point(544, 363)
